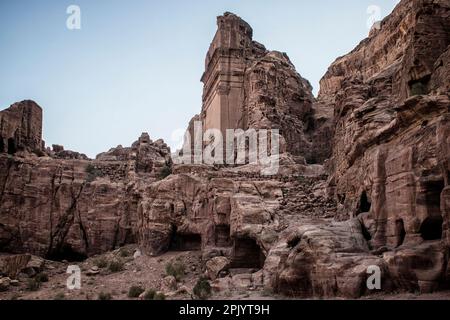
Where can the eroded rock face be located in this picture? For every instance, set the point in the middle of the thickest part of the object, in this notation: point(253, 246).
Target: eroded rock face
point(71, 209)
point(391, 101)
point(382, 201)
point(21, 128)
point(249, 87)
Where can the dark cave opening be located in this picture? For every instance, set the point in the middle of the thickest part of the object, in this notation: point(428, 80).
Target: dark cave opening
point(66, 252)
point(433, 190)
point(366, 234)
point(247, 254)
point(2, 145)
point(11, 146)
point(400, 232)
point(431, 228)
point(222, 236)
point(364, 204)
point(419, 87)
point(185, 242)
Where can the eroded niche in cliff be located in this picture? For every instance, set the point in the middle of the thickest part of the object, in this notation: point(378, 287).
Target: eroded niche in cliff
point(2, 145)
point(247, 254)
point(364, 204)
point(419, 87)
point(433, 190)
point(400, 232)
point(185, 241)
point(222, 236)
point(11, 146)
point(431, 228)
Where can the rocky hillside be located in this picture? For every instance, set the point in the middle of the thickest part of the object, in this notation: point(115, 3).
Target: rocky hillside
point(363, 181)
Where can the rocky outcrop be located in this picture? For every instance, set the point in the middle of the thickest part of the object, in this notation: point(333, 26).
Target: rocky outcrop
point(381, 202)
point(390, 98)
point(21, 128)
point(249, 87)
point(67, 208)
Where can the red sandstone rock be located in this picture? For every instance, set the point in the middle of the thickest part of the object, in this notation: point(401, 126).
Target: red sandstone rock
point(383, 111)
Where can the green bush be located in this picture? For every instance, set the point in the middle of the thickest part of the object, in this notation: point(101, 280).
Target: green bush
point(202, 289)
point(159, 296)
point(135, 292)
point(150, 294)
point(101, 262)
point(59, 296)
point(165, 172)
point(176, 270)
point(124, 253)
point(116, 266)
point(33, 285)
point(41, 277)
point(104, 296)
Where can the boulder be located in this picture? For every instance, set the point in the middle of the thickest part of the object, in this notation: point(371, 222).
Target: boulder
point(216, 265)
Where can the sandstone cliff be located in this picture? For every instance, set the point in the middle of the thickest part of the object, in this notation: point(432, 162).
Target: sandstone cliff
point(381, 200)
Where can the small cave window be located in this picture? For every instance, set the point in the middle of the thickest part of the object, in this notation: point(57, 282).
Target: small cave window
point(2, 145)
point(11, 146)
point(364, 204)
point(172, 208)
point(419, 87)
point(400, 232)
point(247, 254)
point(433, 190)
point(185, 242)
point(431, 228)
point(222, 236)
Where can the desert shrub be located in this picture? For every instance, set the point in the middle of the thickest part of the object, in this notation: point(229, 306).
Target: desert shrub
point(33, 285)
point(116, 266)
point(124, 253)
point(202, 289)
point(15, 296)
point(159, 296)
point(41, 277)
point(150, 294)
point(165, 172)
point(104, 296)
point(176, 270)
point(101, 262)
point(59, 296)
point(135, 292)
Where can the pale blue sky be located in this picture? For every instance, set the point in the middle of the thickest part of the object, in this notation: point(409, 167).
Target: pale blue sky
point(135, 66)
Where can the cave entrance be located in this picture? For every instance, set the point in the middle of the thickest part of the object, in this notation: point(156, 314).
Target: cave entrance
point(433, 190)
point(419, 86)
point(222, 236)
point(11, 146)
point(364, 204)
point(431, 228)
point(400, 232)
point(185, 242)
point(247, 254)
point(2, 145)
point(66, 252)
